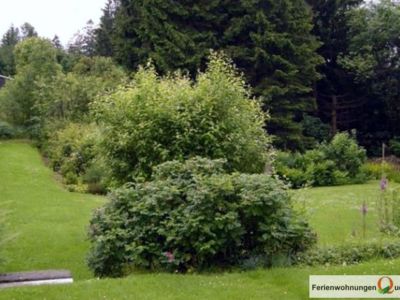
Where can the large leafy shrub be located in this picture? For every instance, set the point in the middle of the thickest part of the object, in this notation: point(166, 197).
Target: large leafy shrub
point(338, 162)
point(195, 215)
point(344, 151)
point(291, 166)
point(157, 119)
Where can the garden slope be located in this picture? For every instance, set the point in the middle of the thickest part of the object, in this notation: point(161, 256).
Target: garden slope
point(49, 222)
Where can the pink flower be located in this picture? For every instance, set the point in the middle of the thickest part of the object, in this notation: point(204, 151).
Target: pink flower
point(170, 256)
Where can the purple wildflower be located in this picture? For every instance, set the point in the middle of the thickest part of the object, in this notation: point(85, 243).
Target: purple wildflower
point(383, 183)
point(364, 208)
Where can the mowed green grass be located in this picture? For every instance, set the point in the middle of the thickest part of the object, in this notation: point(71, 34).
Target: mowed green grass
point(279, 284)
point(51, 224)
point(335, 212)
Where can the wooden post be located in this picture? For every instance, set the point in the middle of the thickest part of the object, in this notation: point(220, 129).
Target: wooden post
point(364, 211)
point(334, 115)
point(383, 161)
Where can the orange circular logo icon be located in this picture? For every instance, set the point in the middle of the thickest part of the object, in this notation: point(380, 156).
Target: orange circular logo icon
point(385, 285)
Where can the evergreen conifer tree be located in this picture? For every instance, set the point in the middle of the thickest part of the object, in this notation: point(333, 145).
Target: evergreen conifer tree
point(270, 41)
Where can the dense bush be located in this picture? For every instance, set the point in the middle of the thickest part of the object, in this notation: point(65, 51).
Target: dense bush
point(338, 162)
point(195, 215)
point(290, 167)
point(344, 151)
point(72, 152)
point(6, 131)
point(155, 119)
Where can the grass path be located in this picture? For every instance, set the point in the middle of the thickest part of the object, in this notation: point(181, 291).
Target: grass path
point(50, 222)
point(51, 226)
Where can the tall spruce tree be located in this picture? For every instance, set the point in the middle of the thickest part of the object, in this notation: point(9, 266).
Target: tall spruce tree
point(28, 31)
point(175, 35)
point(104, 33)
point(83, 42)
point(374, 59)
point(270, 41)
point(8, 42)
point(340, 99)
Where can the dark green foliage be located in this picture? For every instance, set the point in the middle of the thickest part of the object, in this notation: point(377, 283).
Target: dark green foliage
point(156, 119)
point(103, 35)
point(7, 45)
point(315, 129)
point(349, 254)
point(337, 162)
point(7, 59)
point(175, 35)
point(331, 26)
point(270, 41)
point(374, 58)
point(6, 131)
point(194, 215)
point(394, 146)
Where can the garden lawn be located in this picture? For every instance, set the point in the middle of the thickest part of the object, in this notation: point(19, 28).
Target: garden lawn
point(50, 224)
point(279, 284)
point(48, 221)
point(335, 212)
